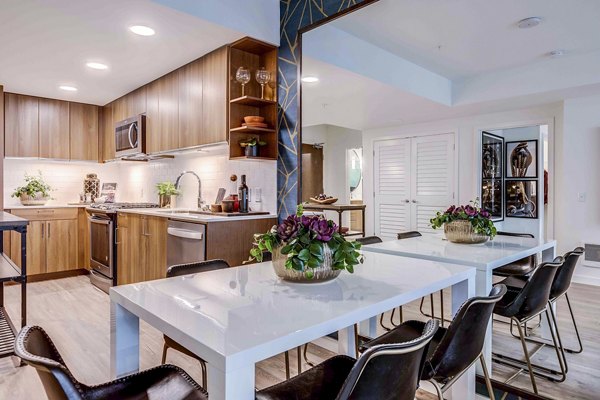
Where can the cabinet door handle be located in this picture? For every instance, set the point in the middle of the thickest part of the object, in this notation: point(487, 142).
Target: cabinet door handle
point(117, 235)
point(407, 201)
point(414, 201)
point(43, 227)
point(48, 230)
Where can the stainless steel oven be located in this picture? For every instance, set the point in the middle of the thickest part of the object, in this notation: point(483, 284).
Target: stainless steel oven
point(130, 135)
point(102, 260)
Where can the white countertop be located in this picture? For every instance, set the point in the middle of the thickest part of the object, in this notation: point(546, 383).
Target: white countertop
point(181, 215)
point(246, 314)
point(495, 253)
point(48, 205)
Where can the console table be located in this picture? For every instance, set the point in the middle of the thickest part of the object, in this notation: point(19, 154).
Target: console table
point(340, 209)
point(9, 272)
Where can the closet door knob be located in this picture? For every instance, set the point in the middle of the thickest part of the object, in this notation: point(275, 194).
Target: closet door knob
point(414, 201)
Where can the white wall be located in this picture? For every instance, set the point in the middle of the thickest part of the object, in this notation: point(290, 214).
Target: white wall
point(467, 130)
point(137, 181)
point(578, 154)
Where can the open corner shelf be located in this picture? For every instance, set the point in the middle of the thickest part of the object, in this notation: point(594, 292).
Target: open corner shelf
point(250, 129)
point(252, 101)
point(252, 158)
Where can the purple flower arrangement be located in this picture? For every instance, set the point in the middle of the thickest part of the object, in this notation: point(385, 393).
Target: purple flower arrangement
point(302, 239)
point(480, 219)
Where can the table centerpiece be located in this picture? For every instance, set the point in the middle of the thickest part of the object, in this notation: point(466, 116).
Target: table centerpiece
point(307, 249)
point(465, 224)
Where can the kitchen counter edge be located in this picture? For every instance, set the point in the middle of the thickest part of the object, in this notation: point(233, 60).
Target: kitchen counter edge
point(201, 219)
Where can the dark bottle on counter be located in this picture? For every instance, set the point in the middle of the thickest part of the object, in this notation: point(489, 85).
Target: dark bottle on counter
point(243, 195)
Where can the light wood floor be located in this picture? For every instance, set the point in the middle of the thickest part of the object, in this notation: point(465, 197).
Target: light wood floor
point(76, 315)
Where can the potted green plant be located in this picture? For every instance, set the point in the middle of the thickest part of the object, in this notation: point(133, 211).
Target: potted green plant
point(307, 248)
point(167, 194)
point(251, 145)
point(35, 192)
point(465, 224)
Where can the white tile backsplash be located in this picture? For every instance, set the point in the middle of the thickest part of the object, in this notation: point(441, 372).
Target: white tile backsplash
point(137, 180)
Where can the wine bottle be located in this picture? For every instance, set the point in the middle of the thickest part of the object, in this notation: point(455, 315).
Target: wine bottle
point(243, 195)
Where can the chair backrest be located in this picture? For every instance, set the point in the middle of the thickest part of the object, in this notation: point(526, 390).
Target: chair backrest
point(35, 348)
point(532, 259)
point(515, 234)
point(535, 294)
point(389, 371)
point(369, 240)
point(408, 235)
point(562, 279)
point(462, 343)
point(194, 268)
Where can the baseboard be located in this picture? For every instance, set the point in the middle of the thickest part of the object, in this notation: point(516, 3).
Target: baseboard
point(57, 275)
point(586, 280)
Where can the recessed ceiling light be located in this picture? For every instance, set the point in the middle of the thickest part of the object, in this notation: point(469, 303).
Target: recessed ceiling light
point(556, 53)
point(96, 65)
point(529, 22)
point(310, 79)
point(142, 30)
point(68, 88)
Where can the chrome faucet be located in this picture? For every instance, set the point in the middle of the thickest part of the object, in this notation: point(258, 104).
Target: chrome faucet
point(200, 202)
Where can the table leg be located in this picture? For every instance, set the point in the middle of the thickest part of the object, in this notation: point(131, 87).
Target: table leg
point(124, 341)
point(464, 388)
point(547, 256)
point(483, 286)
point(346, 343)
point(232, 385)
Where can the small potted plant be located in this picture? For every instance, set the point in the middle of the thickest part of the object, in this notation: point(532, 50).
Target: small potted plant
point(251, 145)
point(167, 194)
point(465, 224)
point(307, 248)
point(35, 192)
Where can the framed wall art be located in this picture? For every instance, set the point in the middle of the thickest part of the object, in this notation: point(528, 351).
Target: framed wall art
point(491, 198)
point(492, 148)
point(521, 159)
point(521, 198)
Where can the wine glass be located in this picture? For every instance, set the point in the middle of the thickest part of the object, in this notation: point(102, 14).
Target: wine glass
point(263, 77)
point(242, 75)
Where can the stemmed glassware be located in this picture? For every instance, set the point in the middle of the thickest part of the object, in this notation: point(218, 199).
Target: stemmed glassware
point(263, 77)
point(242, 75)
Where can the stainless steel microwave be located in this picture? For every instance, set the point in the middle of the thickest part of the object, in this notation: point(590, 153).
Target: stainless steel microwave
point(130, 136)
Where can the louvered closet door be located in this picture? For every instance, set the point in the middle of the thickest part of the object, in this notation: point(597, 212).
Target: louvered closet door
point(392, 187)
point(433, 171)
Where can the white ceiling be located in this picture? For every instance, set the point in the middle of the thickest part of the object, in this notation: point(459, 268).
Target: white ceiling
point(462, 38)
point(46, 43)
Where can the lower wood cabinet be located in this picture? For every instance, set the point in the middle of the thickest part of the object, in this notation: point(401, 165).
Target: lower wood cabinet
point(52, 240)
point(141, 248)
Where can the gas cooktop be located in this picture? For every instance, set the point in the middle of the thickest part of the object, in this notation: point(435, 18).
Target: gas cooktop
point(120, 206)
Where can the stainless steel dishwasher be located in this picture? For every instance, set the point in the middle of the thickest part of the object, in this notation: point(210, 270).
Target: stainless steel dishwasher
point(185, 243)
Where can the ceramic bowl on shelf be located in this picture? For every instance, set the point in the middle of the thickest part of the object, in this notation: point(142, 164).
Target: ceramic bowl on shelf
point(252, 119)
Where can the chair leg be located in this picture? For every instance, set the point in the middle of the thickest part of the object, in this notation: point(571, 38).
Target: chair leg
point(164, 354)
point(560, 355)
point(287, 365)
point(356, 346)
point(421, 307)
point(438, 389)
point(204, 376)
point(442, 307)
point(381, 321)
point(526, 353)
point(305, 355)
point(401, 316)
point(575, 326)
point(486, 375)
point(299, 355)
point(432, 306)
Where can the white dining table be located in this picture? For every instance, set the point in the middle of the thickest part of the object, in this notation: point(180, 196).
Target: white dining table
point(236, 317)
point(485, 257)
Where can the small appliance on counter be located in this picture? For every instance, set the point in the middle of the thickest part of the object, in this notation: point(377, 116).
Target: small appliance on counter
point(103, 246)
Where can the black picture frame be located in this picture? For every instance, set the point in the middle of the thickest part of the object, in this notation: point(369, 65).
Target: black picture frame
point(518, 158)
point(492, 198)
point(492, 156)
point(521, 198)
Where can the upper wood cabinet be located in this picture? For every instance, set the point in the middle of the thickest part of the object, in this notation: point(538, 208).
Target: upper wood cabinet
point(83, 126)
point(214, 97)
point(21, 125)
point(190, 103)
point(162, 114)
point(107, 133)
point(54, 129)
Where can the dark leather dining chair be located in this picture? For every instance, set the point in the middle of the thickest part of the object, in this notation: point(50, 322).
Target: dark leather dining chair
point(187, 269)
point(369, 240)
point(521, 305)
point(166, 382)
point(521, 267)
point(387, 371)
point(455, 349)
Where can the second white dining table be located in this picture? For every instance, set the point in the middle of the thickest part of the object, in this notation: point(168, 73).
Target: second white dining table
point(236, 317)
point(485, 257)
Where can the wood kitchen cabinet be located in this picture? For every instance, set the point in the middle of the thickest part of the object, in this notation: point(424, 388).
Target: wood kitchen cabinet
point(21, 125)
point(141, 248)
point(52, 241)
point(107, 133)
point(162, 114)
point(54, 129)
point(83, 128)
point(190, 103)
point(214, 96)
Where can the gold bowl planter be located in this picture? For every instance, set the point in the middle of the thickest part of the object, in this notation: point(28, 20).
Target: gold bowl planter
point(322, 273)
point(461, 231)
point(37, 200)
